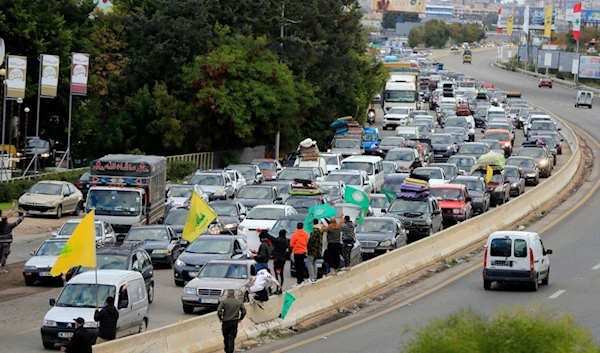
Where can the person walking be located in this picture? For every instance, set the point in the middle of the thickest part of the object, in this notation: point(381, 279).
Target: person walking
point(334, 244)
point(259, 287)
point(280, 247)
point(81, 341)
point(107, 321)
point(298, 243)
point(6, 237)
point(263, 254)
point(348, 239)
point(231, 312)
point(314, 251)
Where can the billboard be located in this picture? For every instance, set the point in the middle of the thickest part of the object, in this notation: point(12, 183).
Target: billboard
point(405, 6)
point(547, 59)
point(589, 66)
point(590, 16)
point(565, 61)
point(536, 17)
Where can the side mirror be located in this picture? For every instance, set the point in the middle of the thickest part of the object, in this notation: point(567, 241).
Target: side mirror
point(483, 131)
point(52, 301)
point(436, 212)
point(468, 199)
point(32, 253)
point(548, 252)
point(242, 216)
point(123, 304)
point(228, 185)
point(54, 234)
point(366, 182)
point(562, 140)
point(559, 129)
point(383, 210)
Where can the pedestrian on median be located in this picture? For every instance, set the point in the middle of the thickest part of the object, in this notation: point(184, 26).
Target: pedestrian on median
point(280, 247)
point(107, 321)
point(298, 243)
point(314, 251)
point(231, 312)
point(6, 237)
point(263, 254)
point(348, 239)
point(334, 244)
point(81, 341)
point(259, 287)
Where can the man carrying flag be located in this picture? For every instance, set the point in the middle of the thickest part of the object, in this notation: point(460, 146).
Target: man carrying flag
point(198, 219)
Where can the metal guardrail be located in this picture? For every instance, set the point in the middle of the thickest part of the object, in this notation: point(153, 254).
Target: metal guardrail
point(202, 160)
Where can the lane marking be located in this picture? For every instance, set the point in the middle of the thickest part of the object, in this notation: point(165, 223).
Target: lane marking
point(597, 267)
point(33, 329)
point(557, 294)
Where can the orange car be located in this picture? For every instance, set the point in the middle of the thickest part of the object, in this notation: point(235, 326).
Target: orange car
point(488, 85)
point(505, 138)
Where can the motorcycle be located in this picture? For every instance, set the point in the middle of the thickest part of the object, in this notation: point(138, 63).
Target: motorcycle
point(371, 117)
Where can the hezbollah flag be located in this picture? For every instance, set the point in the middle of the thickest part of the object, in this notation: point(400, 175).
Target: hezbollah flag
point(80, 249)
point(359, 198)
point(198, 219)
point(510, 22)
point(389, 194)
point(489, 173)
point(317, 212)
point(548, 22)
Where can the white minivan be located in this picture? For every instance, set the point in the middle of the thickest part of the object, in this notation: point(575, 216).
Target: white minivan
point(512, 256)
point(372, 165)
point(78, 299)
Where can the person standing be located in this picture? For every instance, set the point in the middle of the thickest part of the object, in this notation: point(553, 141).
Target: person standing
point(6, 237)
point(81, 342)
point(334, 244)
point(264, 251)
point(348, 238)
point(298, 243)
point(107, 321)
point(231, 312)
point(280, 247)
point(314, 251)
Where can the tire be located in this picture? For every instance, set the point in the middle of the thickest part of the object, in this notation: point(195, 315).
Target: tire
point(179, 283)
point(151, 293)
point(59, 212)
point(48, 345)
point(546, 280)
point(576, 105)
point(188, 309)
point(487, 285)
point(143, 326)
point(170, 263)
point(77, 210)
point(29, 281)
point(535, 285)
point(430, 233)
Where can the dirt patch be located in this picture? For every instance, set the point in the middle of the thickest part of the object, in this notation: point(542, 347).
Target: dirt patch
point(13, 285)
point(38, 225)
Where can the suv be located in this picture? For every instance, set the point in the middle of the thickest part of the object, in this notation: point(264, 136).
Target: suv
point(480, 197)
point(355, 178)
point(454, 201)
point(542, 156)
point(498, 186)
point(422, 216)
point(216, 183)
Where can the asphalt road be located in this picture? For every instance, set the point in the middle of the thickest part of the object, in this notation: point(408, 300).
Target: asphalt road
point(574, 283)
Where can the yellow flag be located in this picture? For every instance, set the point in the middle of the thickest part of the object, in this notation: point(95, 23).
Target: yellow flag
point(198, 219)
point(548, 22)
point(80, 249)
point(510, 22)
point(488, 174)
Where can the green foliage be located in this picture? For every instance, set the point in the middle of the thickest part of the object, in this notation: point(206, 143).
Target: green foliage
point(436, 33)
point(416, 36)
point(516, 331)
point(491, 20)
point(13, 190)
point(410, 17)
point(469, 33)
point(179, 170)
point(388, 20)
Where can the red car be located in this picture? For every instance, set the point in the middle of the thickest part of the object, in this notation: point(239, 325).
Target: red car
point(454, 201)
point(488, 85)
point(545, 82)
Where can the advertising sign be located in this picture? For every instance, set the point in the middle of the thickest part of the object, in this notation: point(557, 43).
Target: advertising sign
point(589, 66)
point(49, 75)
point(405, 6)
point(16, 74)
point(590, 16)
point(80, 64)
point(536, 17)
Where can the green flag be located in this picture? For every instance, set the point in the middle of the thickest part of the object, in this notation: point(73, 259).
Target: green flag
point(359, 198)
point(389, 195)
point(317, 212)
point(288, 300)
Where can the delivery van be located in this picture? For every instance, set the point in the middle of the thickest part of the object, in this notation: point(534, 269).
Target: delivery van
point(372, 165)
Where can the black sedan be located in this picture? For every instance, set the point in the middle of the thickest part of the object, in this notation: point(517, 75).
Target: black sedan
point(83, 184)
point(230, 213)
point(480, 197)
point(517, 180)
point(378, 235)
point(160, 241)
point(528, 166)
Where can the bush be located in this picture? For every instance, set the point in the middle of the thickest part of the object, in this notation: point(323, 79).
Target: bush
point(13, 190)
point(179, 170)
point(515, 331)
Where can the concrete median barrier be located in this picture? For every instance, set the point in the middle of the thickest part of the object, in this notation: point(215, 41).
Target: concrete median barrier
point(203, 334)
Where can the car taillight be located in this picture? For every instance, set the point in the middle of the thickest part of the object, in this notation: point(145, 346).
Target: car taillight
point(531, 260)
point(485, 254)
point(79, 185)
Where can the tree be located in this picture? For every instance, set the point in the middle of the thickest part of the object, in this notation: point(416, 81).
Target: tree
point(515, 331)
point(410, 17)
point(416, 36)
point(388, 20)
point(436, 33)
point(490, 20)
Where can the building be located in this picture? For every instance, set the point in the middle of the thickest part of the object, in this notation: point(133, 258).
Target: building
point(438, 12)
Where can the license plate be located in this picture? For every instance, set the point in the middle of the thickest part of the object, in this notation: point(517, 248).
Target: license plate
point(438, 155)
point(33, 212)
point(208, 301)
point(368, 250)
point(319, 265)
point(499, 263)
point(193, 274)
point(65, 334)
point(45, 274)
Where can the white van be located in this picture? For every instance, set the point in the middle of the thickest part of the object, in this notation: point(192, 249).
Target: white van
point(408, 132)
point(372, 165)
point(513, 256)
point(78, 299)
point(318, 162)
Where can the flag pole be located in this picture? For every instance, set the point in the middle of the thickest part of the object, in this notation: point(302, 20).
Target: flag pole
point(96, 275)
point(577, 55)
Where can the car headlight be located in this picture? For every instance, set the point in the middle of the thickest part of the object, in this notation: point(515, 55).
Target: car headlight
point(455, 210)
point(543, 162)
point(242, 229)
point(498, 189)
point(19, 154)
point(160, 251)
point(531, 175)
point(29, 268)
point(219, 192)
point(385, 243)
point(49, 203)
point(90, 324)
point(189, 290)
point(373, 147)
point(230, 226)
point(515, 185)
point(45, 155)
point(506, 144)
point(179, 263)
point(49, 323)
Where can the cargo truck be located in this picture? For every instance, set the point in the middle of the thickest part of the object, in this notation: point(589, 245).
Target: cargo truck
point(401, 90)
point(127, 190)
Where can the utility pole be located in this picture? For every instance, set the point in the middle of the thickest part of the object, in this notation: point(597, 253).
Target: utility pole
point(278, 136)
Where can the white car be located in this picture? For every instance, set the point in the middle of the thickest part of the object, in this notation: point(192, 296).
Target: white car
point(38, 267)
point(104, 231)
point(436, 175)
point(261, 217)
point(357, 179)
point(237, 179)
point(178, 195)
point(333, 161)
point(378, 202)
point(396, 116)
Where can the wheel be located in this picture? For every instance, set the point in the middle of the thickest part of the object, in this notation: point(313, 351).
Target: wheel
point(590, 106)
point(576, 105)
point(59, 212)
point(170, 263)
point(150, 293)
point(29, 281)
point(77, 210)
point(48, 345)
point(546, 280)
point(143, 326)
point(188, 309)
point(430, 232)
point(487, 285)
point(385, 127)
point(535, 285)
point(179, 283)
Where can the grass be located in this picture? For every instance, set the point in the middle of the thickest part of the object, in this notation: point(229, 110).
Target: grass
point(5, 206)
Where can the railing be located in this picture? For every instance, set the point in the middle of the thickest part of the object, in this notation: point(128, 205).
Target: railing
point(202, 160)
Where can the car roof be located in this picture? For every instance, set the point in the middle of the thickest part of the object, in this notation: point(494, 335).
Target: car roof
point(377, 196)
point(448, 186)
point(211, 171)
point(346, 171)
point(398, 149)
point(106, 277)
point(222, 202)
point(119, 249)
point(264, 160)
point(56, 240)
point(512, 233)
point(442, 164)
point(151, 226)
point(263, 186)
point(520, 157)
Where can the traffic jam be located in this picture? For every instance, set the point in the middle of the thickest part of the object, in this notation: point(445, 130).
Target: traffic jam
point(456, 149)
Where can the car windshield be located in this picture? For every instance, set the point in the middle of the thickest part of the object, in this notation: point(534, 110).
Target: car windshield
point(441, 139)
point(80, 295)
point(68, 228)
point(475, 149)
point(512, 172)
point(471, 185)
point(531, 152)
point(448, 170)
point(207, 245)
point(494, 145)
point(182, 191)
point(218, 270)
point(46, 189)
point(500, 136)
point(348, 179)
point(423, 129)
point(207, 179)
point(346, 143)
point(428, 172)
point(392, 141)
point(538, 125)
point(147, 234)
point(446, 194)
point(226, 210)
point(288, 224)
point(291, 174)
point(50, 248)
point(108, 262)
point(257, 193)
point(85, 177)
point(481, 111)
point(462, 163)
point(406, 156)
point(244, 169)
point(398, 110)
point(364, 166)
point(456, 123)
point(522, 163)
point(379, 202)
point(331, 160)
point(282, 189)
point(389, 167)
point(266, 165)
point(406, 135)
point(38, 143)
point(266, 213)
point(114, 202)
point(302, 202)
point(177, 217)
point(400, 96)
point(403, 205)
point(369, 138)
point(373, 225)
point(454, 130)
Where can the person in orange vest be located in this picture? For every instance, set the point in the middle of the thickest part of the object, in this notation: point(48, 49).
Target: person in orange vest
point(298, 244)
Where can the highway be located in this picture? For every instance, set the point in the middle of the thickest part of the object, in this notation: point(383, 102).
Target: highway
point(574, 283)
